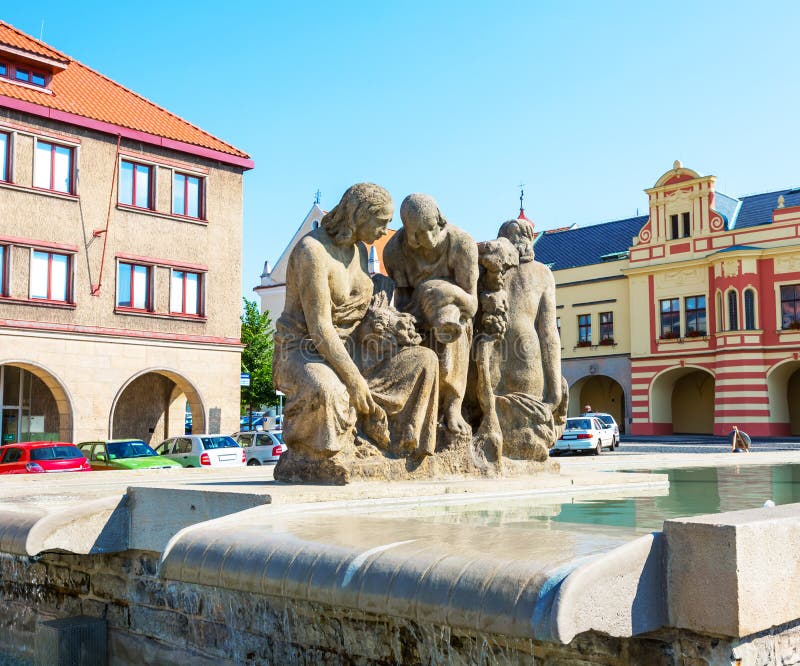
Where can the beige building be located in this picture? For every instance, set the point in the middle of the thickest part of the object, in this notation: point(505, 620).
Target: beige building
point(120, 258)
point(685, 320)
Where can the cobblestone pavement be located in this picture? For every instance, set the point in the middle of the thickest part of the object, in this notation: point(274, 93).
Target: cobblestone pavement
point(701, 444)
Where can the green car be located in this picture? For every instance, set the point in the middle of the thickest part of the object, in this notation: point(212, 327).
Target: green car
point(124, 454)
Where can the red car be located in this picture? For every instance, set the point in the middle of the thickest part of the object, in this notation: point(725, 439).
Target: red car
point(38, 457)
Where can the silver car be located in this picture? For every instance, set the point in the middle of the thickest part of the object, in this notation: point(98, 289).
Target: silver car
point(608, 420)
point(260, 446)
point(585, 433)
point(203, 451)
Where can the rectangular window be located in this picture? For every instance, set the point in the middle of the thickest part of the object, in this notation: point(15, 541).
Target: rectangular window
point(5, 156)
point(133, 286)
point(50, 276)
point(607, 328)
point(185, 293)
point(3, 270)
point(670, 318)
point(136, 184)
point(187, 195)
point(680, 225)
point(558, 325)
point(53, 168)
point(695, 307)
point(584, 329)
point(3, 69)
point(790, 306)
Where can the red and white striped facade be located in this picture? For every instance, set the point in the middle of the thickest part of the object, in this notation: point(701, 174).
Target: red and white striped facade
point(737, 372)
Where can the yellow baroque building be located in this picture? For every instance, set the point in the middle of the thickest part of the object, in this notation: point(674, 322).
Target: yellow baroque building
point(687, 320)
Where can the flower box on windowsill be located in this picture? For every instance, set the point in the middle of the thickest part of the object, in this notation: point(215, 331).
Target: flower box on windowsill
point(608, 342)
point(583, 343)
point(696, 334)
point(793, 326)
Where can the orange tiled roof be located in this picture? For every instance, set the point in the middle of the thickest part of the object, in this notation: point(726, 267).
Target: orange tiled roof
point(81, 91)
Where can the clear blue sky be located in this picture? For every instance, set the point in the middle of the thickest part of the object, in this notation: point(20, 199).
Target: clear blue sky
point(585, 102)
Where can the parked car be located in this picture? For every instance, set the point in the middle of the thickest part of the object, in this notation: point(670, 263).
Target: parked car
point(261, 447)
point(260, 422)
point(203, 451)
point(585, 433)
point(124, 454)
point(38, 457)
point(608, 420)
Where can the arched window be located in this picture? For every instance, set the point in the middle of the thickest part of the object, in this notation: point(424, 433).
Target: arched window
point(315, 224)
point(749, 309)
point(718, 314)
point(733, 311)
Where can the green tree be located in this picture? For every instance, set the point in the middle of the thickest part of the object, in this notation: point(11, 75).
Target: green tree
point(258, 344)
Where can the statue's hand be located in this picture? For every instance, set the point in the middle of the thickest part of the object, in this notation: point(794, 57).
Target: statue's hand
point(360, 395)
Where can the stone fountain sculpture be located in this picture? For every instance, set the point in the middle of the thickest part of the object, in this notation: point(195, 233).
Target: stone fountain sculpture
point(376, 370)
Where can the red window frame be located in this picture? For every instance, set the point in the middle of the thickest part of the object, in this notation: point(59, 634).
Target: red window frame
point(790, 305)
point(68, 290)
point(53, 146)
point(3, 270)
point(150, 185)
point(148, 287)
point(28, 74)
point(606, 326)
point(201, 188)
point(585, 328)
point(5, 160)
point(670, 318)
point(182, 312)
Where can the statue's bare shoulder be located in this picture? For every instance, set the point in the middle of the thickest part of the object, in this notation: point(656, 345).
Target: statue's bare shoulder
point(462, 244)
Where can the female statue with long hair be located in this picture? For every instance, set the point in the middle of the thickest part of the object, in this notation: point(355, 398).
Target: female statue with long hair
point(392, 402)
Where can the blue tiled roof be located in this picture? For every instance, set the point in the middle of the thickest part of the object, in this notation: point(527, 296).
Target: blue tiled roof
point(757, 208)
point(727, 207)
point(586, 245)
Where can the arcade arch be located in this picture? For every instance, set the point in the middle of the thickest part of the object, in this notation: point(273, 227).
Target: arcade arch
point(684, 398)
point(35, 404)
point(603, 393)
point(151, 406)
point(783, 389)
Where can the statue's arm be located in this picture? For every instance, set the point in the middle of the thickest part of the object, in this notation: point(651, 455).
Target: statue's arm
point(549, 340)
point(464, 264)
point(311, 261)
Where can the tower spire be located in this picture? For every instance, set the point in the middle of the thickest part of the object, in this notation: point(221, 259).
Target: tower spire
point(521, 202)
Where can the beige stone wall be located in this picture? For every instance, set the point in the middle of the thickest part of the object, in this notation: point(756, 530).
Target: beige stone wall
point(46, 217)
point(154, 621)
point(93, 373)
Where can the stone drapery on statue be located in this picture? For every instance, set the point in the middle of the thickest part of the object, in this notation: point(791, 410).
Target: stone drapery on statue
point(375, 370)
